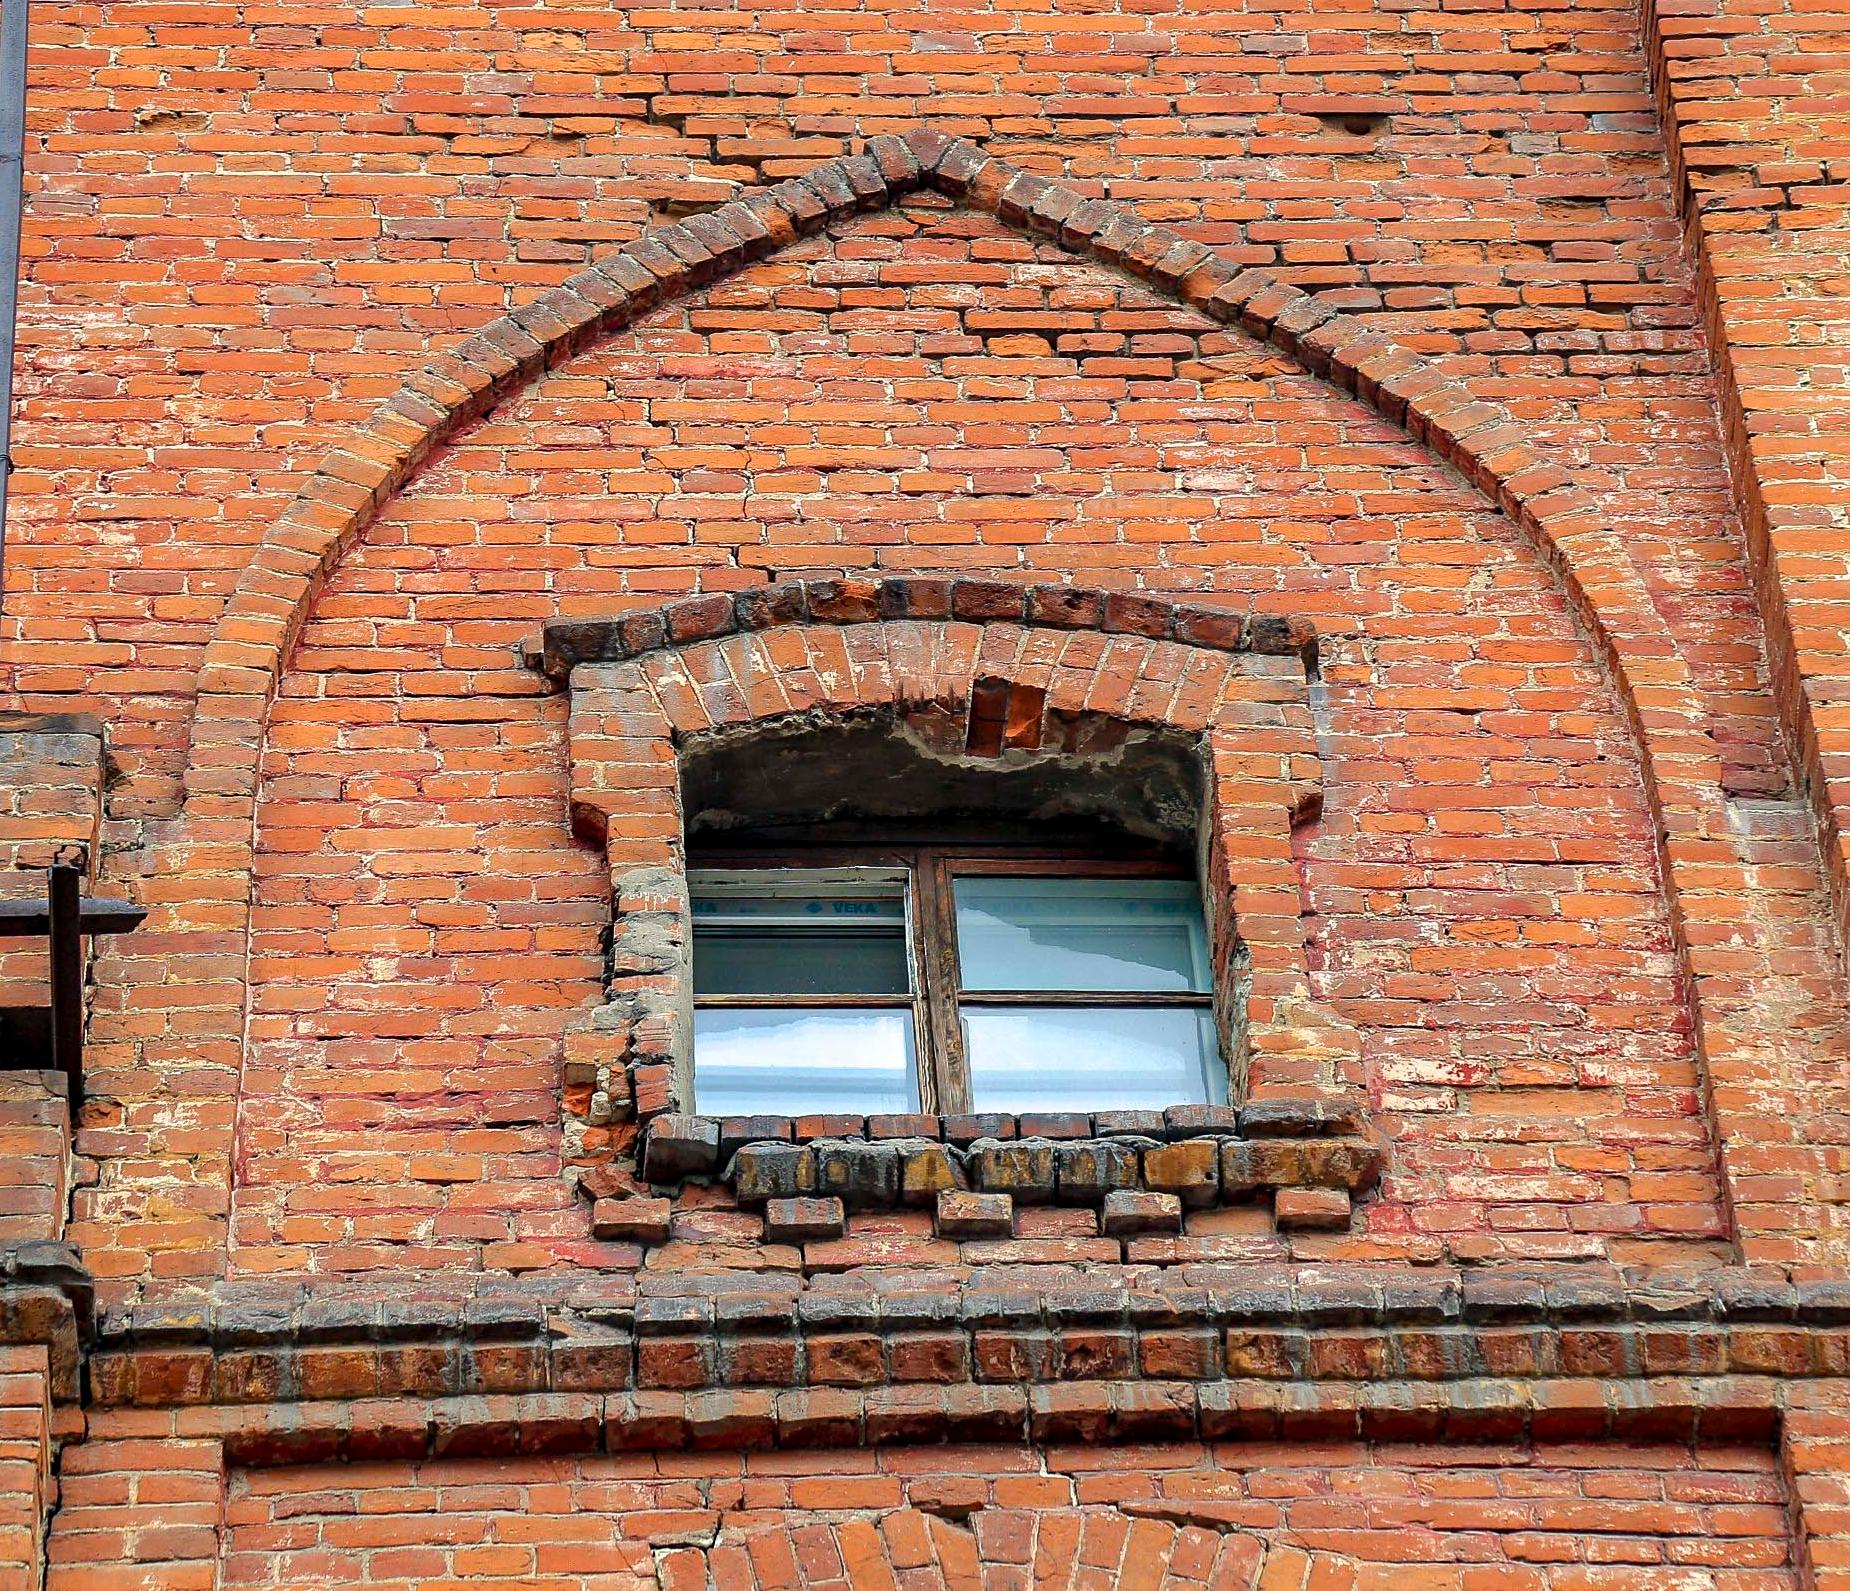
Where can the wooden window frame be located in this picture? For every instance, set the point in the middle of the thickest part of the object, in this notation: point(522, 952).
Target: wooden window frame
point(938, 994)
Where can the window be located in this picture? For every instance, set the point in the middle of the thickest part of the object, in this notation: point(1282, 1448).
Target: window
point(866, 981)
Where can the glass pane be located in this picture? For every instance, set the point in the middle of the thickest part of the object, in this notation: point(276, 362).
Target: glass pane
point(814, 938)
point(1104, 934)
point(787, 1063)
point(1091, 1058)
point(799, 961)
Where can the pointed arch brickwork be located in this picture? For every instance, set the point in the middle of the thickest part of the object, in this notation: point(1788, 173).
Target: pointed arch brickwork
point(1485, 442)
point(191, 1032)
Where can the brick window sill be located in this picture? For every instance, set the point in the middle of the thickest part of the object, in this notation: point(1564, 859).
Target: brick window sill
point(1200, 1155)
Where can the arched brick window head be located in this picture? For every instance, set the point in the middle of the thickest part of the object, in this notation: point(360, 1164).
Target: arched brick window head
point(1133, 716)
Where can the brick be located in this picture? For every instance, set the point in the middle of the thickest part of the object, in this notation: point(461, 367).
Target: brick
point(699, 618)
point(735, 1132)
point(1311, 1209)
point(1353, 1164)
point(864, 1176)
point(843, 601)
point(1130, 1124)
point(1190, 1170)
point(1088, 1170)
point(1054, 1124)
point(915, 598)
point(974, 1215)
point(1138, 615)
point(966, 1130)
point(982, 601)
point(680, 1146)
point(766, 607)
point(925, 1170)
point(1128, 1212)
point(803, 1220)
point(1300, 1118)
point(913, 1126)
point(773, 1171)
point(1023, 1169)
point(829, 1126)
point(1198, 1121)
point(632, 1220)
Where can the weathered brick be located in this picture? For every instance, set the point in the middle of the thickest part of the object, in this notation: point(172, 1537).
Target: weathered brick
point(1300, 1118)
point(803, 1220)
point(1198, 1121)
point(864, 1176)
point(1128, 1212)
point(735, 1132)
point(1189, 1169)
point(1311, 1209)
point(632, 1220)
point(962, 1214)
point(1087, 1170)
point(773, 1171)
point(1023, 1169)
point(925, 1170)
point(680, 1146)
point(966, 1130)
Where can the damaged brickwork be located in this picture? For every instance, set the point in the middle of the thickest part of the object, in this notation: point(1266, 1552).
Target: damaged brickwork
point(451, 441)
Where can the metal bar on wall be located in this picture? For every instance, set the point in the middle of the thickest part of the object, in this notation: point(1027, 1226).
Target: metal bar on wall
point(14, 28)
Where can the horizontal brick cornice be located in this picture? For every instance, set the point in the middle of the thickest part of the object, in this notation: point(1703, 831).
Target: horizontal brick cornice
point(1289, 1339)
point(1710, 1409)
point(234, 1314)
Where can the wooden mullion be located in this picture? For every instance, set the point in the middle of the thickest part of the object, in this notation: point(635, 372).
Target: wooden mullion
point(918, 922)
point(943, 1061)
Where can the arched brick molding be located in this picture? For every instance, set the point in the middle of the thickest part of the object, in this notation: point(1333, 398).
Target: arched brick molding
point(1069, 660)
point(1482, 440)
point(201, 901)
point(1055, 1549)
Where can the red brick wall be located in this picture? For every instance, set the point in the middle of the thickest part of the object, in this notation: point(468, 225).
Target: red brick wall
point(1582, 642)
point(1515, 225)
point(1503, 199)
point(1752, 135)
point(927, 389)
point(35, 1156)
point(1307, 1519)
point(25, 1465)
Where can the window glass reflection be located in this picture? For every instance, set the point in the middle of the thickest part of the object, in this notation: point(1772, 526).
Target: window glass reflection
point(1099, 934)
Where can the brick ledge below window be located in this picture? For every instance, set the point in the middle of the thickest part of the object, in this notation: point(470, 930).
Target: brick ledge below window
point(1310, 1156)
